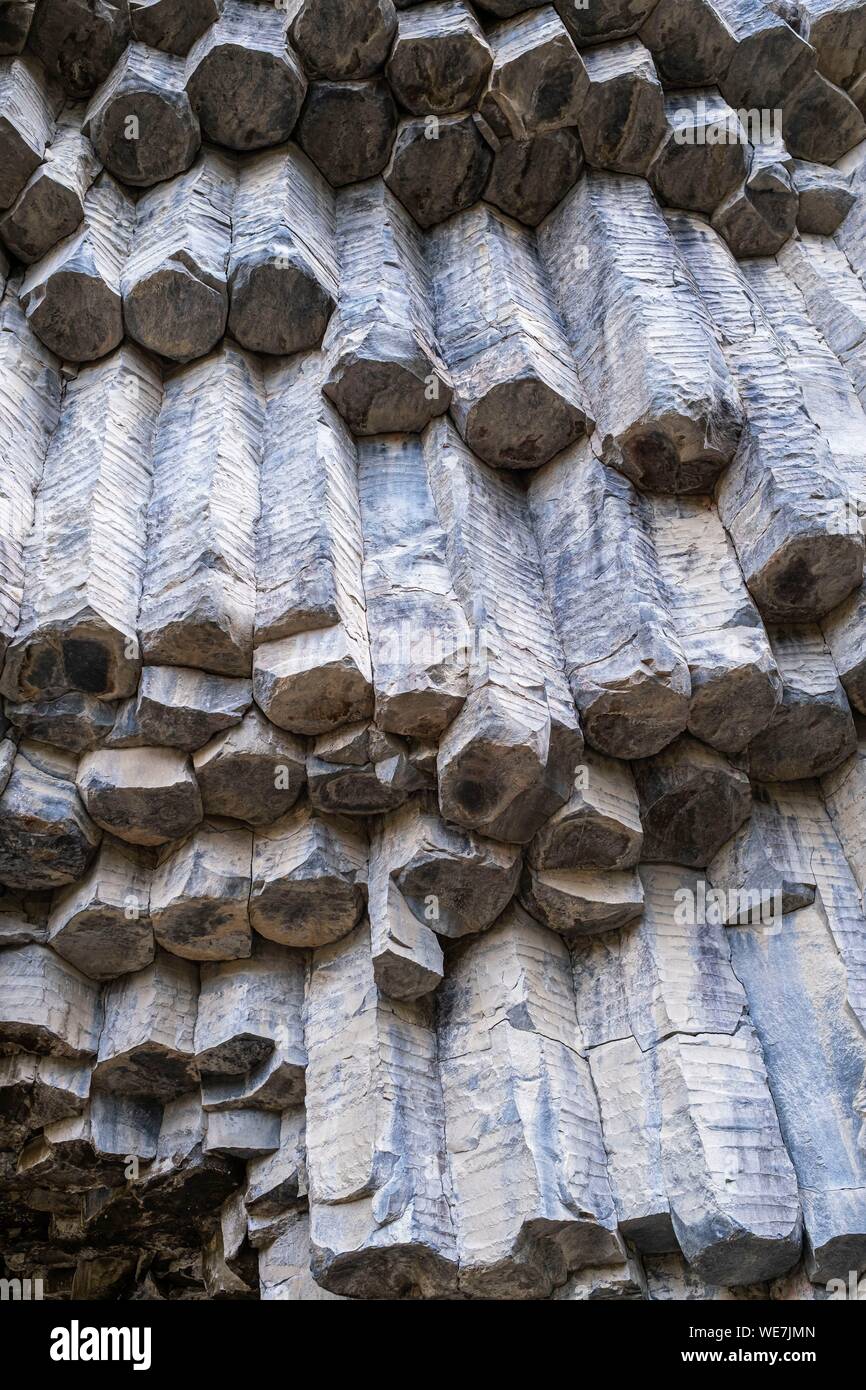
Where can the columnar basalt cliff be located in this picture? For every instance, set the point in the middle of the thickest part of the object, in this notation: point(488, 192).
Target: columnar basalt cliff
point(433, 642)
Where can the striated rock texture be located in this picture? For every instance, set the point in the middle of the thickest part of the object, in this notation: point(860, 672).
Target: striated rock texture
point(433, 649)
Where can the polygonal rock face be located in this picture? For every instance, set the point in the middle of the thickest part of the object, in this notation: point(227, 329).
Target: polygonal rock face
point(598, 827)
point(146, 1047)
point(245, 85)
point(243, 1134)
point(308, 578)
point(762, 853)
point(516, 401)
point(172, 25)
point(671, 421)
point(527, 978)
point(691, 43)
point(253, 772)
point(621, 119)
point(824, 199)
point(506, 762)
point(630, 681)
point(735, 685)
point(282, 268)
point(175, 296)
point(692, 800)
point(179, 707)
point(529, 177)
point(580, 902)
point(72, 296)
point(144, 795)
point(439, 59)
point(102, 924)
point(41, 216)
point(35, 388)
point(312, 682)
point(702, 155)
point(419, 685)
point(384, 372)
point(16, 17)
point(333, 962)
point(37, 1091)
point(249, 1008)
point(347, 129)
point(47, 1007)
point(759, 216)
point(361, 785)
point(538, 81)
point(46, 836)
point(769, 57)
point(760, 963)
point(407, 958)
point(456, 881)
point(27, 111)
point(343, 38)
point(838, 36)
point(75, 721)
point(207, 619)
point(79, 41)
point(438, 168)
point(392, 1051)
point(140, 121)
point(50, 206)
point(308, 879)
point(277, 1082)
point(812, 729)
point(809, 557)
point(199, 894)
point(821, 121)
point(608, 19)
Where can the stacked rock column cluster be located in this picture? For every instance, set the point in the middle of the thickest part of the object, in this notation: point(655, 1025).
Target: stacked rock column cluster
point(433, 636)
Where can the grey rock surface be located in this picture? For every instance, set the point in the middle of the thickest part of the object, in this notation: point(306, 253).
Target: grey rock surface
point(439, 168)
point(347, 128)
point(666, 411)
point(518, 694)
point(282, 268)
point(140, 121)
point(439, 58)
point(79, 41)
point(50, 206)
point(309, 875)
point(516, 398)
point(395, 394)
point(342, 38)
point(174, 283)
point(626, 667)
point(72, 296)
point(622, 118)
point(199, 594)
point(529, 177)
point(385, 373)
point(243, 79)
